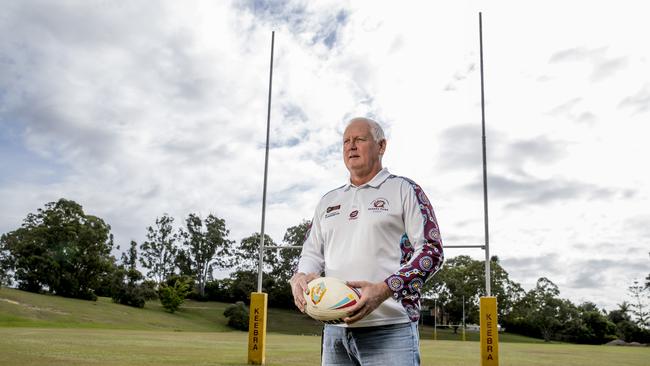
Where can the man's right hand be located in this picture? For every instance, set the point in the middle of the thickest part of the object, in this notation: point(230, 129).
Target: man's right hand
point(299, 283)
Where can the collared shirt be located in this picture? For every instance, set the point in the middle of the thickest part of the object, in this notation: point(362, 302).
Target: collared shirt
point(384, 230)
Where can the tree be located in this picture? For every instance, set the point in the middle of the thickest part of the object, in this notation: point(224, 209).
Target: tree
point(5, 265)
point(587, 324)
point(464, 278)
point(61, 249)
point(284, 266)
point(638, 305)
point(172, 293)
point(647, 280)
point(127, 287)
point(547, 312)
point(247, 254)
point(159, 250)
point(206, 247)
point(287, 259)
point(458, 284)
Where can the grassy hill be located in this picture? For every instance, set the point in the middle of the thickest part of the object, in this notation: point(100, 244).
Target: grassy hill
point(26, 309)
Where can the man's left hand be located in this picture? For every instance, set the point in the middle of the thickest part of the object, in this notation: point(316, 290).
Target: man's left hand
point(372, 295)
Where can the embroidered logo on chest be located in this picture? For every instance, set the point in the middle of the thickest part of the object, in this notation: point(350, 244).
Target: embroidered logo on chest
point(379, 205)
point(354, 214)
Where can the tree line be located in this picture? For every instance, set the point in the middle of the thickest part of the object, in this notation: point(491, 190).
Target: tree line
point(63, 251)
point(540, 312)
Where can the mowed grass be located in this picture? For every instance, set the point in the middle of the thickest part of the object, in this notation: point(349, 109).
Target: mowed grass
point(25, 309)
point(59, 346)
point(50, 330)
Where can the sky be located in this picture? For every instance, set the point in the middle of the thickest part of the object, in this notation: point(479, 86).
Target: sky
point(136, 109)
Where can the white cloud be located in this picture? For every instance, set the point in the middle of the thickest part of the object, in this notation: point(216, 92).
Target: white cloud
point(140, 109)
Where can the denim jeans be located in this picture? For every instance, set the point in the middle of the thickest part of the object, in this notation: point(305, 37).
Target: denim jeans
point(390, 345)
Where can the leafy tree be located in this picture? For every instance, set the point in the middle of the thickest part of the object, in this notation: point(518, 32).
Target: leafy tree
point(546, 306)
point(247, 254)
point(206, 247)
point(647, 280)
point(59, 248)
point(159, 250)
point(464, 278)
point(638, 305)
point(238, 315)
point(287, 259)
point(172, 293)
point(587, 324)
point(127, 287)
point(5, 265)
point(458, 281)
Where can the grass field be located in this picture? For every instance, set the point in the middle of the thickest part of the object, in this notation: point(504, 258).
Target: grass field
point(58, 346)
point(49, 330)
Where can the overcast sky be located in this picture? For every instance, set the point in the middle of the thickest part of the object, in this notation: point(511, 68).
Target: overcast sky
point(138, 108)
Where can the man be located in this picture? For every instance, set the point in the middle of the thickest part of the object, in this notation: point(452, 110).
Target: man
point(378, 232)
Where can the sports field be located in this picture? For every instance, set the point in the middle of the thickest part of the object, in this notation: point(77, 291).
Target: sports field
point(33, 346)
point(50, 330)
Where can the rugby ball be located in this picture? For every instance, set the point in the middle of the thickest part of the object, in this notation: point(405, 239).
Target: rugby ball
point(329, 299)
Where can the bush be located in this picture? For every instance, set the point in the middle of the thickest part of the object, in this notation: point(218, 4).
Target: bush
point(173, 295)
point(237, 315)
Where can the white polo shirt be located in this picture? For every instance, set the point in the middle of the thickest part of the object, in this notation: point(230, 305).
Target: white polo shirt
point(384, 230)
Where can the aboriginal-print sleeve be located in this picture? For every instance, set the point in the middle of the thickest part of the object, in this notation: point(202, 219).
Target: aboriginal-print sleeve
point(312, 257)
point(421, 248)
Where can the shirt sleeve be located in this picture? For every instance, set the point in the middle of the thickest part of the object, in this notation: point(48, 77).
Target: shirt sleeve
point(421, 246)
point(312, 258)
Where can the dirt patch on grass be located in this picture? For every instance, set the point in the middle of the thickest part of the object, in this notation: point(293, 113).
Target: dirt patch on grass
point(34, 308)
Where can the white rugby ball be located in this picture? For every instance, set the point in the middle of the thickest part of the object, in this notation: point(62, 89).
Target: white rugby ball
point(329, 299)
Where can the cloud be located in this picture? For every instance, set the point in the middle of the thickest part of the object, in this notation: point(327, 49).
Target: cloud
point(639, 102)
point(461, 149)
point(524, 191)
point(532, 268)
point(593, 273)
point(602, 66)
point(460, 76)
point(317, 23)
point(639, 225)
point(580, 279)
point(571, 110)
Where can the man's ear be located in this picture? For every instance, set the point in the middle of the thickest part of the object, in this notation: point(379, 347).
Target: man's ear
point(382, 146)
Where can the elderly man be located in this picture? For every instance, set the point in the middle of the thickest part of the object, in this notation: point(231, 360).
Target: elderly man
point(378, 232)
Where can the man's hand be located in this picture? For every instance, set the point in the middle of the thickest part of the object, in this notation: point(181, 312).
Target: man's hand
point(299, 283)
point(372, 295)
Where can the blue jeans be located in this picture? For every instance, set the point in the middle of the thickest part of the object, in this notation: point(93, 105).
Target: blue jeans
point(390, 345)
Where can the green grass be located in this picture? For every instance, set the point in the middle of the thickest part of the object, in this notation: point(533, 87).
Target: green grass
point(49, 330)
point(25, 309)
point(58, 346)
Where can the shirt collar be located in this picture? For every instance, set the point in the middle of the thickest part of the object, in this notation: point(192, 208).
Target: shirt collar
point(375, 182)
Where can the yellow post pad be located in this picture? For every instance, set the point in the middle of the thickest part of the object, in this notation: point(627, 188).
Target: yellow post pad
point(489, 332)
point(257, 329)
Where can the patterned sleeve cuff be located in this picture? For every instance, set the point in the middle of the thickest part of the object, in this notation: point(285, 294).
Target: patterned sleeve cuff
point(408, 281)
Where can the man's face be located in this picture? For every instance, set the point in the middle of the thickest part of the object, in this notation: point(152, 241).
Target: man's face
point(361, 153)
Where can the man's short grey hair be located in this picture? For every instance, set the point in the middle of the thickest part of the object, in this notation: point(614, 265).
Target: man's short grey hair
point(375, 128)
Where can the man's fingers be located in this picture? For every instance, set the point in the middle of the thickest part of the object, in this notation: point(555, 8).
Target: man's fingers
point(358, 284)
point(357, 315)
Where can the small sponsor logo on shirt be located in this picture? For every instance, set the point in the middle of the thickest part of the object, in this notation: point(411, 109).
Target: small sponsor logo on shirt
point(332, 211)
point(354, 214)
point(333, 208)
point(379, 205)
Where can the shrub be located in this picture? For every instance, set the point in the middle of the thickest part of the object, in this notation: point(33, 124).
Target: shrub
point(173, 295)
point(237, 315)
